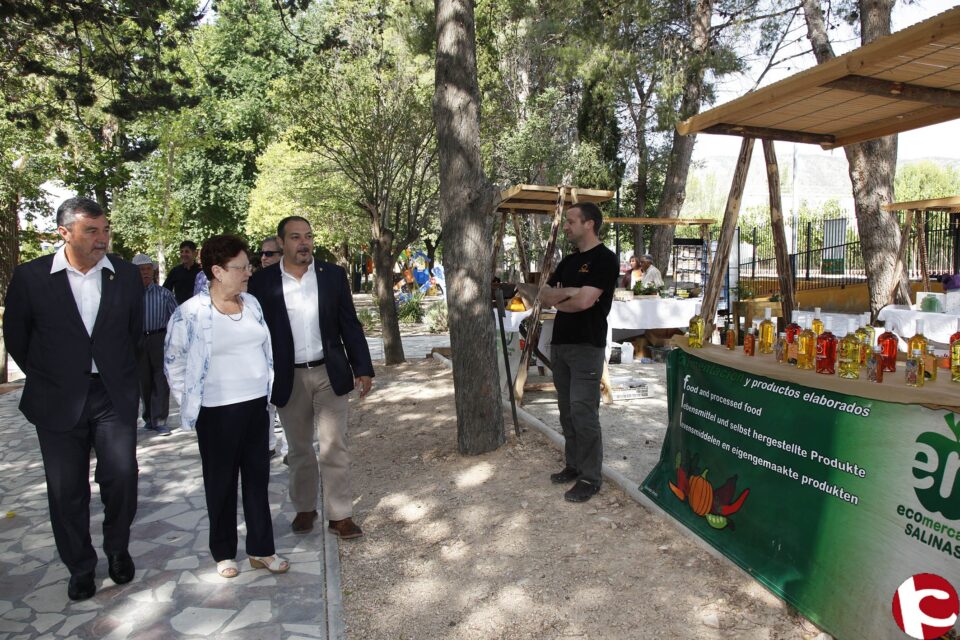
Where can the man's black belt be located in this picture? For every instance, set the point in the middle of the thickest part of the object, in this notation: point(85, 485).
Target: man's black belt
point(309, 365)
point(151, 333)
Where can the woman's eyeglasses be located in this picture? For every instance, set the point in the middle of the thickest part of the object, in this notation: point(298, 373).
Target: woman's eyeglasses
point(247, 267)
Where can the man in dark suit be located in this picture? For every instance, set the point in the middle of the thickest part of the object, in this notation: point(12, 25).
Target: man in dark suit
point(319, 356)
point(73, 323)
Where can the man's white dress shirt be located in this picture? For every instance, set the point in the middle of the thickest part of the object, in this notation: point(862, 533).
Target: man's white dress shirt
point(85, 287)
point(301, 297)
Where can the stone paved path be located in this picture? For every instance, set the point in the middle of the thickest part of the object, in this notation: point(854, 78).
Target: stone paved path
point(176, 592)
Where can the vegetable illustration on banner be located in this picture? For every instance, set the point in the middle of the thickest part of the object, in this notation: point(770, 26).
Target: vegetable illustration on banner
point(716, 505)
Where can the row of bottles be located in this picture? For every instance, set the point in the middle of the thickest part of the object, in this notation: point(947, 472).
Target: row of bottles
point(811, 344)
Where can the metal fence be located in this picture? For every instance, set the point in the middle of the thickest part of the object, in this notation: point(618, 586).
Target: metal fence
point(828, 254)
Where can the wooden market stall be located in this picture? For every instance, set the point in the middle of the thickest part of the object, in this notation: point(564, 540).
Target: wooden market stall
point(915, 221)
point(836, 489)
point(526, 199)
point(897, 83)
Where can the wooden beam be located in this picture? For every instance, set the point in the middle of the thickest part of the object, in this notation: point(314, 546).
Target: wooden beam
point(915, 119)
point(662, 221)
point(779, 237)
point(901, 256)
point(951, 203)
point(896, 90)
point(533, 320)
point(730, 215)
point(767, 133)
point(880, 50)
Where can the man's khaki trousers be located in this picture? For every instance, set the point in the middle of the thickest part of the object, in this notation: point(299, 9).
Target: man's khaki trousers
point(314, 408)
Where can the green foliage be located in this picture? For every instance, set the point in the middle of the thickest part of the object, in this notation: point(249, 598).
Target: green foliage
point(926, 180)
point(411, 310)
point(295, 182)
point(370, 319)
point(437, 319)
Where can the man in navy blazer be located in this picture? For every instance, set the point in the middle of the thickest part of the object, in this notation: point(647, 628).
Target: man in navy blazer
point(319, 356)
point(73, 323)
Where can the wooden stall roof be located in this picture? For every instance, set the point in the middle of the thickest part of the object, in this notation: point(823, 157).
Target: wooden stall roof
point(663, 221)
point(907, 80)
point(532, 198)
point(937, 204)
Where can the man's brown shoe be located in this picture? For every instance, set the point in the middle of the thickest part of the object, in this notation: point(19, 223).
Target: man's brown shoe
point(303, 523)
point(345, 528)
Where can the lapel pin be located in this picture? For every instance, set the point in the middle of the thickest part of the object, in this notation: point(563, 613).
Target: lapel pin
point(111, 276)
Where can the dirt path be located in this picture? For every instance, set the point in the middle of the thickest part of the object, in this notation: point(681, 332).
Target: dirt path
point(486, 547)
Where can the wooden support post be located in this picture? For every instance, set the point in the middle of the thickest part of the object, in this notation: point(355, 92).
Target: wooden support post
point(730, 215)
point(533, 320)
point(901, 256)
point(788, 301)
point(521, 249)
point(922, 249)
point(705, 238)
point(496, 244)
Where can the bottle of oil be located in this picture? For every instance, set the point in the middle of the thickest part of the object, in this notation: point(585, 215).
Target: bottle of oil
point(955, 357)
point(817, 325)
point(696, 330)
point(918, 341)
point(849, 357)
point(793, 330)
point(889, 343)
point(827, 351)
point(730, 336)
point(875, 364)
point(780, 348)
point(865, 335)
point(930, 364)
point(750, 343)
point(806, 347)
point(768, 333)
point(914, 368)
point(955, 336)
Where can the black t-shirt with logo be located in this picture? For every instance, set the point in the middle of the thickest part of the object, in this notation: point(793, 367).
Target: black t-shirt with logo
point(598, 268)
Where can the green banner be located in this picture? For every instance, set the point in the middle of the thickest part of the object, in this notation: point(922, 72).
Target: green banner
point(831, 501)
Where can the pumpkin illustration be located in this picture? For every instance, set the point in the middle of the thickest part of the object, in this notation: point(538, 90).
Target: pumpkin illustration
point(700, 494)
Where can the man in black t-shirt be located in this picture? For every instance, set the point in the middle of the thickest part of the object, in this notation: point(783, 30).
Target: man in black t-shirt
point(581, 289)
point(181, 278)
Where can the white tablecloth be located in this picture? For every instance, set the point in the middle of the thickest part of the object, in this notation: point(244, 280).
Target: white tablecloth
point(936, 326)
point(652, 313)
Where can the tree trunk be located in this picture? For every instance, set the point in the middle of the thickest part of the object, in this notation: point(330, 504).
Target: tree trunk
point(383, 292)
point(432, 246)
point(466, 201)
point(872, 164)
point(678, 166)
point(9, 242)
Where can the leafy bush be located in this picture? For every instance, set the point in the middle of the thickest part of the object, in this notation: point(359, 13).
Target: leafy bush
point(437, 317)
point(410, 311)
point(370, 319)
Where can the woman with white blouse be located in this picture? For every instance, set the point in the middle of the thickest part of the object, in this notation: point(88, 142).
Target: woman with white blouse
point(219, 363)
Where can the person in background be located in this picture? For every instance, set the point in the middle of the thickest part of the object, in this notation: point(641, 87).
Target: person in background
point(74, 324)
point(158, 305)
point(321, 356)
point(182, 277)
point(270, 253)
point(651, 275)
point(219, 364)
point(633, 276)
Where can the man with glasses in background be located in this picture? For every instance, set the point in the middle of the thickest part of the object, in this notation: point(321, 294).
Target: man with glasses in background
point(158, 305)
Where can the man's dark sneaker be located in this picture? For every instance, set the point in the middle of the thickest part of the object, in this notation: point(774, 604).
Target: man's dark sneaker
point(581, 492)
point(149, 427)
point(163, 430)
point(569, 474)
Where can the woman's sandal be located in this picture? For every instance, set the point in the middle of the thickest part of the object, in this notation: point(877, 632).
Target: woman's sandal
point(228, 569)
point(273, 564)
